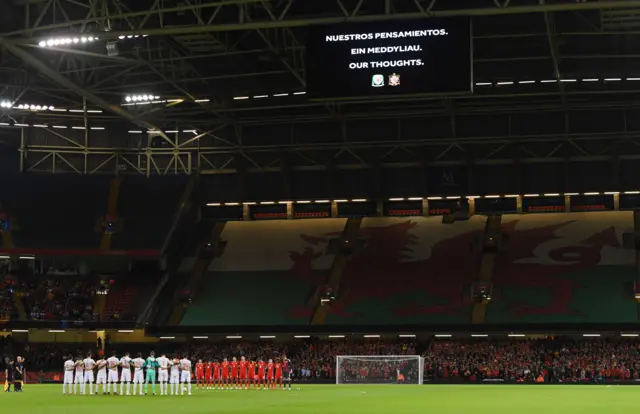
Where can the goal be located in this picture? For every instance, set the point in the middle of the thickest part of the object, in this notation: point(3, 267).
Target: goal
point(379, 369)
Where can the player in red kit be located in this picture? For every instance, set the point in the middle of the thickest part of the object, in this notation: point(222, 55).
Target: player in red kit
point(270, 367)
point(243, 373)
point(234, 372)
point(225, 373)
point(216, 374)
point(260, 380)
point(251, 374)
point(278, 380)
point(200, 381)
point(208, 374)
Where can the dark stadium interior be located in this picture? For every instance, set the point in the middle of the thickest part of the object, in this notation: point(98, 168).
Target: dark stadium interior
point(170, 180)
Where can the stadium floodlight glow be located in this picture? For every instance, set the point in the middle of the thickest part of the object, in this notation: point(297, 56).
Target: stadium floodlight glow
point(479, 335)
point(490, 196)
point(20, 330)
point(4, 257)
point(172, 131)
point(532, 195)
point(484, 83)
point(303, 201)
point(234, 337)
point(443, 335)
point(633, 79)
point(21, 125)
point(551, 194)
point(267, 336)
point(632, 192)
point(612, 192)
point(266, 203)
point(592, 193)
point(568, 80)
point(5, 104)
point(414, 198)
point(60, 126)
point(4, 124)
point(260, 96)
point(512, 196)
point(125, 331)
point(135, 132)
point(397, 199)
point(359, 200)
point(57, 331)
point(453, 198)
point(167, 337)
point(322, 201)
point(39, 125)
point(141, 98)
point(407, 336)
point(280, 94)
point(612, 79)
point(526, 82)
point(232, 204)
point(200, 337)
point(549, 81)
point(341, 201)
point(504, 83)
point(193, 131)
point(434, 198)
point(240, 98)
point(57, 41)
point(571, 194)
point(336, 336)
point(630, 335)
point(97, 128)
point(249, 203)
point(213, 204)
point(591, 335)
point(371, 336)
point(516, 335)
point(201, 100)
point(590, 80)
point(302, 336)
point(299, 93)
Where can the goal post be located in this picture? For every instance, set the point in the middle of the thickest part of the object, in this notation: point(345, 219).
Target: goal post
point(379, 369)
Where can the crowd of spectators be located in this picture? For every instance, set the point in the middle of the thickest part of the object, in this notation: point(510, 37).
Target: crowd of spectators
point(59, 298)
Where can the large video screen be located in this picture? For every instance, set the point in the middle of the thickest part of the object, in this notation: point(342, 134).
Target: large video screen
point(389, 58)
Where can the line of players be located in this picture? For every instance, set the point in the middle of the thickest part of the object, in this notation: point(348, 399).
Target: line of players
point(242, 374)
point(170, 372)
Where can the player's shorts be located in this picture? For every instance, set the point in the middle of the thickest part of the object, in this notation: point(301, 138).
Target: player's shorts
point(163, 375)
point(68, 377)
point(102, 378)
point(260, 376)
point(112, 376)
point(270, 376)
point(138, 377)
point(175, 378)
point(200, 375)
point(286, 375)
point(279, 376)
point(125, 375)
point(79, 378)
point(234, 374)
point(243, 375)
point(185, 377)
point(88, 377)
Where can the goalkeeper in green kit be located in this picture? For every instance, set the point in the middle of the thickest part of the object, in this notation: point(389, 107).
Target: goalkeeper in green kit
point(151, 365)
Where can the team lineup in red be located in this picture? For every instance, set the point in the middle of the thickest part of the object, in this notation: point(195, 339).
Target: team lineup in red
point(243, 374)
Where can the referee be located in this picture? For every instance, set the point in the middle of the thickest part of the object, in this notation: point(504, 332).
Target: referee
point(18, 374)
point(8, 375)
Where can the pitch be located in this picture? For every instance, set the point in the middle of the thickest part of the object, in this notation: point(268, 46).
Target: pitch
point(343, 399)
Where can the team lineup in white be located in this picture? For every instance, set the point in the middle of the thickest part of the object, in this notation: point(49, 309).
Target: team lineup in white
point(173, 372)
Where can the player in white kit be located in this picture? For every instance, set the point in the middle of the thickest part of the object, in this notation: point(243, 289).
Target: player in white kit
point(69, 367)
point(185, 374)
point(125, 375)
point(138, 373)
point(79, 381)
point(112, 378)
point(102, 375)
point(175, 376)
point(89, 364)
point(163, 373)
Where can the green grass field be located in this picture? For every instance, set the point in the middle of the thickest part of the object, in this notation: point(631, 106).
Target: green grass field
point(346, 399)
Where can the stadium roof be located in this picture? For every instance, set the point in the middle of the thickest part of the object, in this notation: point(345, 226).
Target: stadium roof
point(554, 80)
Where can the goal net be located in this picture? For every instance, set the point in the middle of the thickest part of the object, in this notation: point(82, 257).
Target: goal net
point(380, 369)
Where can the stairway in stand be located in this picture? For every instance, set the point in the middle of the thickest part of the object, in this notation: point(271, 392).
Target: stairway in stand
point(349, 235)
point(207, 250)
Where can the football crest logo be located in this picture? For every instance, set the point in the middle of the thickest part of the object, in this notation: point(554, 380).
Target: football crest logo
point(377, 81)
point(394, 80)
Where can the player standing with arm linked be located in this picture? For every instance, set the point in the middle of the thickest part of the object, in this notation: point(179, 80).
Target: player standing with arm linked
point(78, 384)
point(151, 365)
point(208, 374)
point(199, 374)
point(102, 375)
point(243, 373)
point(251, 374)
point(185, 375)
point(163, 373)
point(278, 379)
point(125, 374)
point(89, 365)
point(138, 373)
point(234, 372)
point(270, 382)
point(112, 378)
point(224, 367)
point(216, 375)
point(261, 374)
point(175, 376)
point(69, 367)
